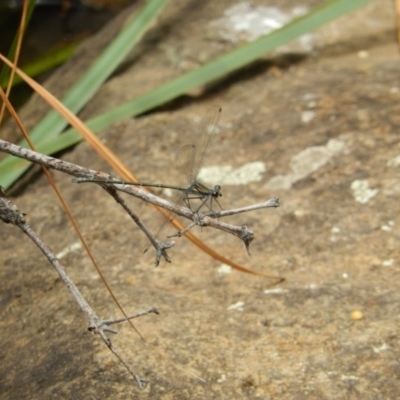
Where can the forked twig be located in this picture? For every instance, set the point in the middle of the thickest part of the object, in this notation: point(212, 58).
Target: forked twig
point(210, 218)
point(161, 247)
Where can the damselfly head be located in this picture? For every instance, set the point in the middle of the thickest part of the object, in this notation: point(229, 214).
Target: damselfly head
point(217, 191)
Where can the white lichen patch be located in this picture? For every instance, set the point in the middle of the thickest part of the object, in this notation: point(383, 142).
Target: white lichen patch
point(387, 227)
point(237, 306)
point(275, 291)
point(362, 192)
point(244, 21)
point(227, 175)
point(394, 162)
point(382, 347)
point(222, 379)
point(307, 116)
point(388, 263)
point(305, 163)
point(224, 269)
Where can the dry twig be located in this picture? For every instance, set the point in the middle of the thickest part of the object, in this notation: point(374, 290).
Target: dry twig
point(209, 218)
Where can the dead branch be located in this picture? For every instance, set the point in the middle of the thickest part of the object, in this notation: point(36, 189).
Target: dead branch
point(108, 182)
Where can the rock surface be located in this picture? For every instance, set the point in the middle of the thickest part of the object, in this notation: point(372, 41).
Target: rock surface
point(325, 127)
